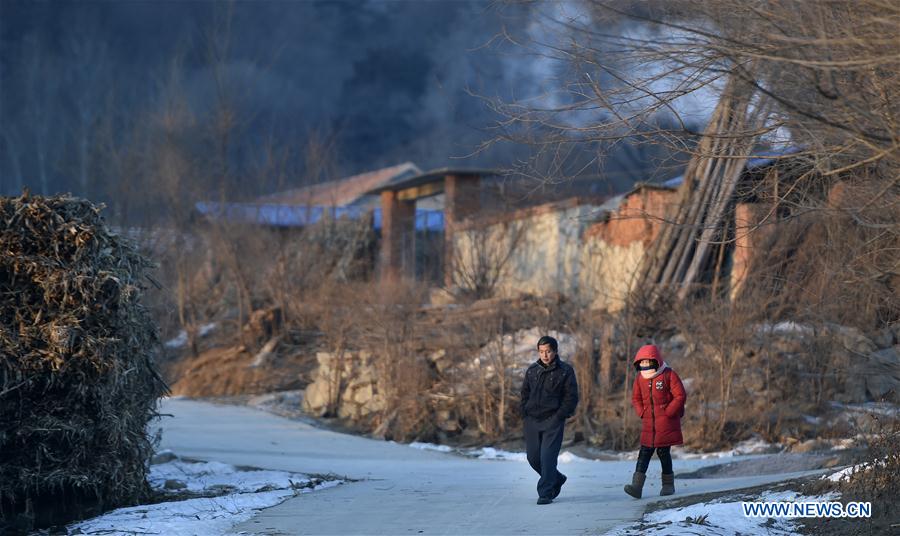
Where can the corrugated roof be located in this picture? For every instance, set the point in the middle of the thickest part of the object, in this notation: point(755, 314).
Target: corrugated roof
point(343, 192)
point(280, 215)
point(434, 175)
point(762, 159)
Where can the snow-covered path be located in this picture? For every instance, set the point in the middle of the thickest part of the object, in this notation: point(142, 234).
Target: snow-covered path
point(411, 491)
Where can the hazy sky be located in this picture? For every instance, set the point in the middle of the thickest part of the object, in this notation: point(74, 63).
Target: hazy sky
point(387, 81)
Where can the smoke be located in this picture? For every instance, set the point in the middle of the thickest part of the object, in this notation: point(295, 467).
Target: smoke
point(388, 81)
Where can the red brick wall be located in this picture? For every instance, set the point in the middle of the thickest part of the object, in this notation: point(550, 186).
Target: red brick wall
point(638, 218)
point(747, 240)
point(397, 236)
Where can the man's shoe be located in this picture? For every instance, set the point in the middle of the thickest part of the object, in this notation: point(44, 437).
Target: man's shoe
point(545, 500)
point(558, 487)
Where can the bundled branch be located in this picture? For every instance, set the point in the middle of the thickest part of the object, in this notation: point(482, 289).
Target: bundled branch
point(680, 253)
point(77, 380)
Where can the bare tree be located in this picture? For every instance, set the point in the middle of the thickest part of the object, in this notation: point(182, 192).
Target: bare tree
point(814, 82)
point(480, 257)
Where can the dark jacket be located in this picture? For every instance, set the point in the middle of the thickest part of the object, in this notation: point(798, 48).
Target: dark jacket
point(550, 392)
point(659, 402)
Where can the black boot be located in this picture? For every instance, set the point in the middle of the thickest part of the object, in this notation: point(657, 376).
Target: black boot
point(637, 484)
point(668, 484)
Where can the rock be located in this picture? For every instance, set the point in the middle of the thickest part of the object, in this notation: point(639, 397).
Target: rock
point(788, 345)
point(164, 456)
point(439, 297)
point(316, 398)
point(264, 323)
point(884, 338)
point(445, 422)
point(441, 360)
point(359, 396)
point(349, 411)
point(324, 359)
point(675, 344)
point(854, 387)
point(852, 340)
point(363, 394)
point(810, 446)
point(172, 484)
point(883, 373)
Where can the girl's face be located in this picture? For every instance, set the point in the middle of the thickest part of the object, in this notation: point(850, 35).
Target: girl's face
point(645, 363)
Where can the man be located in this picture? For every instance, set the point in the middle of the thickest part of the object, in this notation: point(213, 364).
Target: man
point(549, 397)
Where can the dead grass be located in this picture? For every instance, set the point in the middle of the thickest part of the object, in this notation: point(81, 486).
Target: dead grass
point(78, 382)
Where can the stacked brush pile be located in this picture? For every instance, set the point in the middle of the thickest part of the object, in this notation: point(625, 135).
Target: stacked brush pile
point(78, 384)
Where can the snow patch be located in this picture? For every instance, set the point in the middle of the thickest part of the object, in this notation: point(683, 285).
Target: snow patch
point(246, 492)
point(180, 340)
point(718, 518)
point(491, 453)
point(885, 409)
point(568, 457)
point(744, 448)
point(205, 475)
point(431, 446)
point(847, 472)
point(785, 327)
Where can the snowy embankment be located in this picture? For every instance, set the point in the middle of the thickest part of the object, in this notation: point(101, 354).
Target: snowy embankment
point(206, 498)
point(725, 515)
point(719, 517)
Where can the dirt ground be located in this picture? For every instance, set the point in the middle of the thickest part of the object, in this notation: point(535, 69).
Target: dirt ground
point(231, 371)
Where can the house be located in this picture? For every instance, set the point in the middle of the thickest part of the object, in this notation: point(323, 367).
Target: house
point(591, 249)
point(449, 226)
point(407, 207)
point(343, 198)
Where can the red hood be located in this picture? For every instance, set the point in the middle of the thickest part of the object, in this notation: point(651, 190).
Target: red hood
point(649, 351)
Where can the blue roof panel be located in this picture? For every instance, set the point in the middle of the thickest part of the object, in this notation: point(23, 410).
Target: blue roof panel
point(301, 216)
point(761, 159)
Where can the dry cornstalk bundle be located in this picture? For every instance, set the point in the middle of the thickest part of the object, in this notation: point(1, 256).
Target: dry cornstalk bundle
point(78, 385)
point(681, 251)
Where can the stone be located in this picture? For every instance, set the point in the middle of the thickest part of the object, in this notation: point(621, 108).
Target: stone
point(810, 446)
point(883, 338)
point(316, 398)
point(446, 422)
point(324, 359)
point(172, 484)
point(854, 389)
point(788, 345)
point(853, 340)
point(438, 297)
point(363, 394)
point(165, 456)
point(883, 373)
point(677, 341)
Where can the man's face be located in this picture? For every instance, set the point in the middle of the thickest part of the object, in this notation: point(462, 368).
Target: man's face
point(547, 354)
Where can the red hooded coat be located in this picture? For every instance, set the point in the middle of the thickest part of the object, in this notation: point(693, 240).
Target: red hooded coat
point(659, 402)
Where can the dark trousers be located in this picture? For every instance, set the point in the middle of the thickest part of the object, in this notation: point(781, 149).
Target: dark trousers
point(542, 444)
point(665, 459)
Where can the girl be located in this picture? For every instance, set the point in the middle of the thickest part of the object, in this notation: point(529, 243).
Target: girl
point(658, 398)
